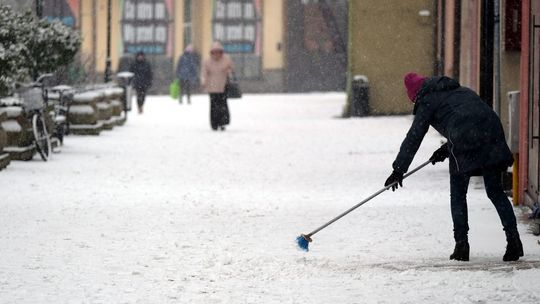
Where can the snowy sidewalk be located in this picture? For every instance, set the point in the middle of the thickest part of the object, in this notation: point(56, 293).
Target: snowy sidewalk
point(164, 210)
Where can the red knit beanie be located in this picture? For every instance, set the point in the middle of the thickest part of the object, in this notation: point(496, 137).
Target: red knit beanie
point(413, 83)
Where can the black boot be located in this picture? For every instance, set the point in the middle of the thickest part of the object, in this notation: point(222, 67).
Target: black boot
point(514, 250)
point(461, 251)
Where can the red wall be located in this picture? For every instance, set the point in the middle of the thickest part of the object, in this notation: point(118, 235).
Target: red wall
point(524, 102)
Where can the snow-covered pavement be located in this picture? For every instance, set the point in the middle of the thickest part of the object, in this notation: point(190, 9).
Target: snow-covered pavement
point(164, 210)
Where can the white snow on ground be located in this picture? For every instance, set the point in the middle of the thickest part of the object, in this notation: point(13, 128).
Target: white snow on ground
point(163, 210)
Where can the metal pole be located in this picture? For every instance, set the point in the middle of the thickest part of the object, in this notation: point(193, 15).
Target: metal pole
point(497, 58)
point(364, 201)
point(515, 180)
point(108, 61)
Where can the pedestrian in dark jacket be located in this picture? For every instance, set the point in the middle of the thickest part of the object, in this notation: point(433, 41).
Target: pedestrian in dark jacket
point(142, 80)
point(475, 146)
point(187, 72)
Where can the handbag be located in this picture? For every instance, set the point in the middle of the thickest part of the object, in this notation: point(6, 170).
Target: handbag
point(232, 88)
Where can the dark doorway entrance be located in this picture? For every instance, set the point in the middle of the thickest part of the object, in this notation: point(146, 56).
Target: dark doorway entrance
point(316, 45)
point(486, 52)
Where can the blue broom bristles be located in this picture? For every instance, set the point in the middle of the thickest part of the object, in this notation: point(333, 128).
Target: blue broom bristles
point(302, 243)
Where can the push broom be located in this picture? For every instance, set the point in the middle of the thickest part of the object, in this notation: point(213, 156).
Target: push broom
point(304, 239)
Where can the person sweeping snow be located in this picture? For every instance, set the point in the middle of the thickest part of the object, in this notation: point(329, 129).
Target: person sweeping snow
point(475, 146)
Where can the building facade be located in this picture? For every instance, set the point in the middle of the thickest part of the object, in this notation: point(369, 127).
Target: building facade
point(467, 48)
point(387, 39)
point(277, 45)
point(529, 128)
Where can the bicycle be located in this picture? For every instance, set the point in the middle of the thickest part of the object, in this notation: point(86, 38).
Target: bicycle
point(34, 97)
point(61, 110)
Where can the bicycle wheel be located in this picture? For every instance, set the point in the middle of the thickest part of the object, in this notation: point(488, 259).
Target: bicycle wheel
point(41, 137)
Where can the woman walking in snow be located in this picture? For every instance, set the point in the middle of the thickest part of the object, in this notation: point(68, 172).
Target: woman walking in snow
point(476, 146)
point(214, 74)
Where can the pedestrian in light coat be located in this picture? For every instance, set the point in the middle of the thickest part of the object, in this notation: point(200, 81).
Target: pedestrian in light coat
point(476, 146)
point(142, 79)
point(214, 74)
point(187, 72)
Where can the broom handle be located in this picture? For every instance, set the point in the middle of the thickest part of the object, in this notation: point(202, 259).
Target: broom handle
point(367, 199)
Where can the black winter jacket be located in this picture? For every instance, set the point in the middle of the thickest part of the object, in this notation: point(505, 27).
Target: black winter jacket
point(142, 80)
point(474, 132)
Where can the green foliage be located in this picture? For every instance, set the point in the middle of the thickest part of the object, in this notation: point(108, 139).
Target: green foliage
point(30, 47)
point(13, 52)
point(51, 46)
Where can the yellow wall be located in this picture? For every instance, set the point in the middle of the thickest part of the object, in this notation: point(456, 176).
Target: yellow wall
point(101, 37)
point(387, 39)
point(93, 25)
point(86, 26)
point(178, 31)
point(201, 24)
point(116, 38)
point(272, 34)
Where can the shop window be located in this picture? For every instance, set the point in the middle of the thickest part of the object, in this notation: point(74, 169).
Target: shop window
point(146, 26)
point(512, 25)
point(65, 11)
point(237, 25)
point(188, 37)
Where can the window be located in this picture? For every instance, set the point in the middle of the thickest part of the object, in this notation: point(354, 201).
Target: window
point(145, 26)
point(188, 34)
point(237, 25)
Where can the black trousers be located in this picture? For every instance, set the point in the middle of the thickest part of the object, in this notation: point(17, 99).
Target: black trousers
point(185, 89)
point(494, 190)
point(141, 96)
point(219, 110)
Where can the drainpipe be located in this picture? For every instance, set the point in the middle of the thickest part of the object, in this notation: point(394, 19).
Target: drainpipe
point(347, 108)
point(94, 39)
point(108, 71)
point(497, 58)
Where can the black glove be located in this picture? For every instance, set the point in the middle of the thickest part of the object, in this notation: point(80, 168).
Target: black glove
point(440, 154)
point(396, 178)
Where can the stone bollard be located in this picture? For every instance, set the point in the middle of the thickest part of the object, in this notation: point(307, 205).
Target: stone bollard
point(105, 110)
point(83, 114)
point(4, 156)
point(18, 129)
point(115, 95)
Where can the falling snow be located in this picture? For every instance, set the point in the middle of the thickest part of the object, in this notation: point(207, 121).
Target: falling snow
point(164, 210)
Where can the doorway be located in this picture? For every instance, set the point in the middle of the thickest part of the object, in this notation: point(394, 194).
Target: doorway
point(316, 52)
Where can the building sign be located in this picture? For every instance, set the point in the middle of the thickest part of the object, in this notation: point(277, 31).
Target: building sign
point(67, 11)
point(146, 26)
point(237, 24)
